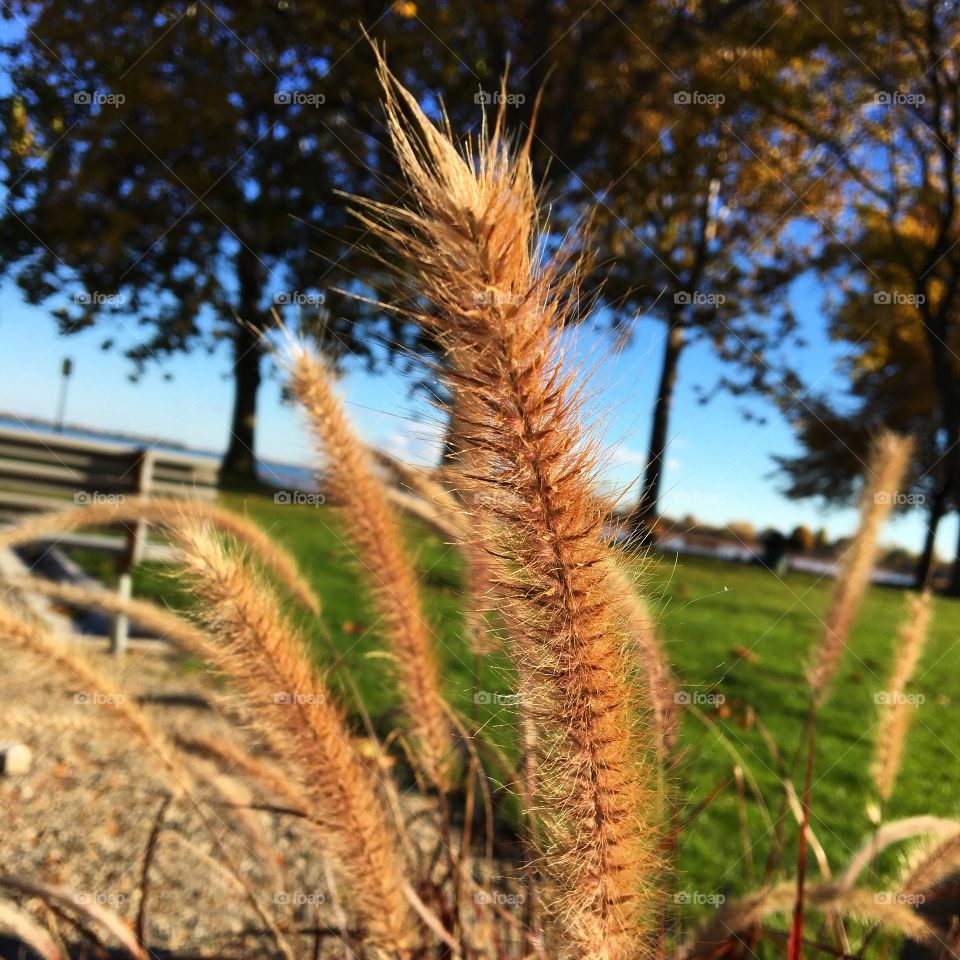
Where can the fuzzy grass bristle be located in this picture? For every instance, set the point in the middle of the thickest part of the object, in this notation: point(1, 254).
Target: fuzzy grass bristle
point(160, 511)
point(897, 712)
point(292, 708)
point(470, 240)
point(886, 466)
point(374, 532)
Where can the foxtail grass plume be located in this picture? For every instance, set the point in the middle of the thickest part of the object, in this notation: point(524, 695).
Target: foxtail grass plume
point(896, 710)
point(162, 510)
point(256, 647)
point(373, 530)
point(886, 467)
point(931, 864)
point(23, 634)
point(470, 239)
point(888, 913)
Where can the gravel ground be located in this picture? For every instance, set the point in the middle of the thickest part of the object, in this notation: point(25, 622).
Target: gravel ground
point(83, 816)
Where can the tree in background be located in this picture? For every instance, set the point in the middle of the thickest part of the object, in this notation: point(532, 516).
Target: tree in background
point(179, 168)
point(212, 185)
point(881, 98)
point(698, 242)
point(647, 116)
point(802, 539)
point(886, 370)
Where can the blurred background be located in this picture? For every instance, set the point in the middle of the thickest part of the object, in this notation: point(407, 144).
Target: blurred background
point(771, 195)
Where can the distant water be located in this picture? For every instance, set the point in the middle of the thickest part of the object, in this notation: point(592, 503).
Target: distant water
point(283, 475)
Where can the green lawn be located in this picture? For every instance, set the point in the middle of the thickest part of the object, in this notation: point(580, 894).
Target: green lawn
point(709, 613)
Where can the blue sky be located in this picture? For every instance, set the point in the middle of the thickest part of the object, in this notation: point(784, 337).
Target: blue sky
point(718, 468)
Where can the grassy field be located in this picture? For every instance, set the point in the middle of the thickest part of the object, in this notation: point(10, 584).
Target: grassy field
point(729, 630)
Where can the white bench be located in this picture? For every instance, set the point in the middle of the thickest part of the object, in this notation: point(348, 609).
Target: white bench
point(42, 471)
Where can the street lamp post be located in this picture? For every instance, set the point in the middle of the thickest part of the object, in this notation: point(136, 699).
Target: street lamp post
point(65, 370)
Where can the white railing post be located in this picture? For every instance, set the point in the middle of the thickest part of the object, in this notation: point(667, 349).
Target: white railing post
point(137, 539)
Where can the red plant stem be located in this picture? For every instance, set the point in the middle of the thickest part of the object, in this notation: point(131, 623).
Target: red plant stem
point(795, 947)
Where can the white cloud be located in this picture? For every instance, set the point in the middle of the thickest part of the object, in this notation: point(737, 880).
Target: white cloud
point(420, 443)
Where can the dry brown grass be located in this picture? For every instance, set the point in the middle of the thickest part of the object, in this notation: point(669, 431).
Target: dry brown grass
point(352, 483)
point(886, 466)
point(897, 711)
point(292, 707)
point(470, 239)
point(161, 511)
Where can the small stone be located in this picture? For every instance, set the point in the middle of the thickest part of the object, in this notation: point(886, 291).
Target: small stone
point(15, 759)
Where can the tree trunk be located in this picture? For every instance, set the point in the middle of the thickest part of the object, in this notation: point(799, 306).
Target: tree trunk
point(938, 327)
point(239, 462)
point(644, 515)
point(954, 588)
point(938, 505)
